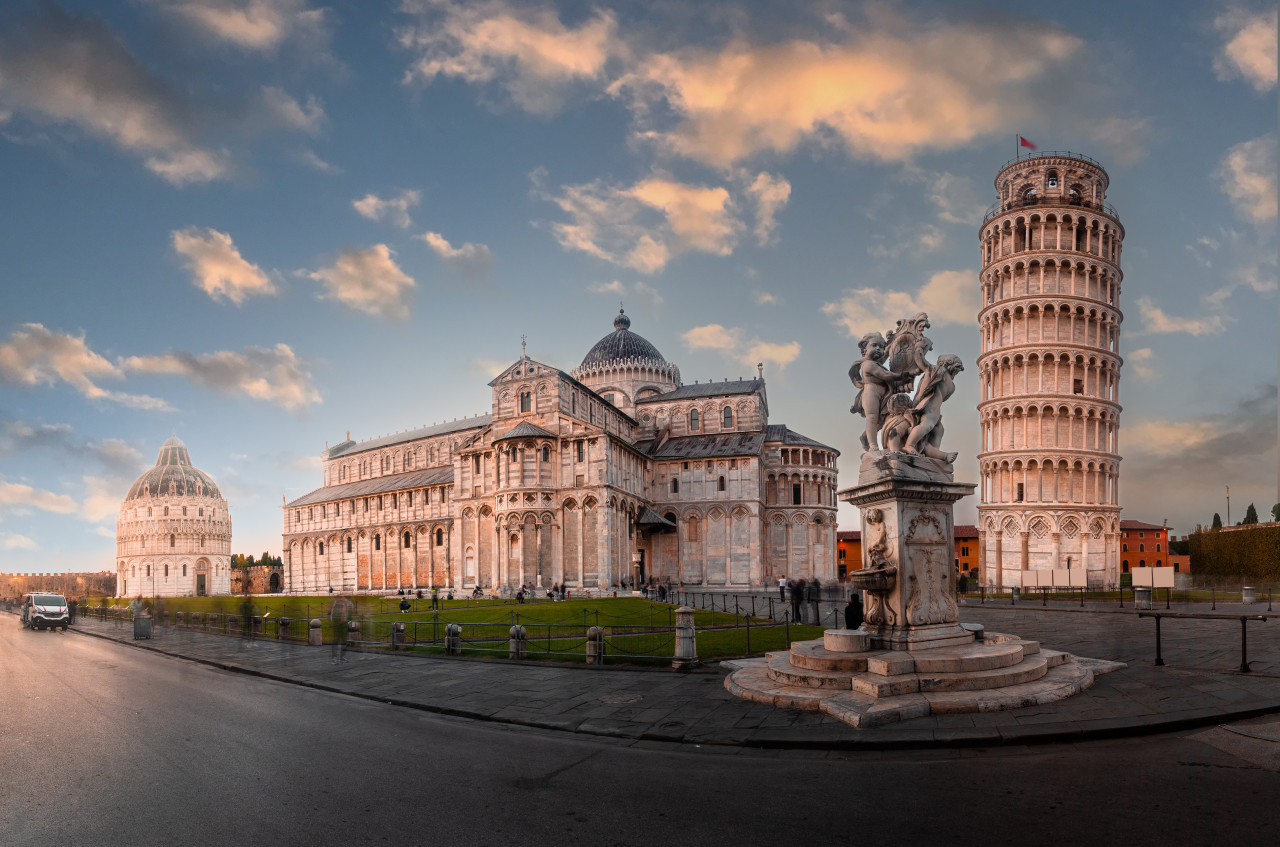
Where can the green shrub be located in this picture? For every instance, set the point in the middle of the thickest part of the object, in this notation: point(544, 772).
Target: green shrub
point(1239, 554)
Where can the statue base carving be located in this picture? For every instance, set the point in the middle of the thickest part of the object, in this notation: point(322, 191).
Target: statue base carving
point(886, 464)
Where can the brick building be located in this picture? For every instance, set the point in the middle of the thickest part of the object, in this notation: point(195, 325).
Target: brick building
point(1143, 545)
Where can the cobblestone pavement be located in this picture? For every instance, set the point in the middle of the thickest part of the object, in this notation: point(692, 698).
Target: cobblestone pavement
point(1200, 685)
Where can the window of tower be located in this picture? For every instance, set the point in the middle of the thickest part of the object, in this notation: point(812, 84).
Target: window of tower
point(1020, 496)
point(1051, 179)
point(1077, 386)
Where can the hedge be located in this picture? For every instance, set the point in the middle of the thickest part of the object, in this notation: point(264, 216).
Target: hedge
point(1243, 554)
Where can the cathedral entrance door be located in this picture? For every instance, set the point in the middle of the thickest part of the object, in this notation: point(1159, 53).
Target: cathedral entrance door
point(200, 589)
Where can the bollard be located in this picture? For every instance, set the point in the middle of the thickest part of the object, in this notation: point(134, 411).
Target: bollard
point(686, 653)
point(516, 642)
point(282, 628)
point(453, 639)
point(180, 618)
point(595, 646)
point(316, 636)
point(353, 633)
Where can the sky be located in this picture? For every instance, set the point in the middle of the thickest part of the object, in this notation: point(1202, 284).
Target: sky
point(261, 224)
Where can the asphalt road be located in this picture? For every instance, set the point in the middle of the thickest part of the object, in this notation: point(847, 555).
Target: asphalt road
point(102, 744)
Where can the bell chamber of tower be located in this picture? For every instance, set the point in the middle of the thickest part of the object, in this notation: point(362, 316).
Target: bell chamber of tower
point(1049, 373)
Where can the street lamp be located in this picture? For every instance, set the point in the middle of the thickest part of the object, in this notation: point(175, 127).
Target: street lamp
point(1228, 505)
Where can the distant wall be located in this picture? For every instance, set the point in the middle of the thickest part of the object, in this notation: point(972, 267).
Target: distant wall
point(1243, 553)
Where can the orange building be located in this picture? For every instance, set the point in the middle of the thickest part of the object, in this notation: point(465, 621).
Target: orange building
point(848, 552)
point(966, 540)
point(1143, 545)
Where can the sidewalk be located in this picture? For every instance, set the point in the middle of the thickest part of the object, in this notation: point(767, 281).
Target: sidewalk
point(1200, 684)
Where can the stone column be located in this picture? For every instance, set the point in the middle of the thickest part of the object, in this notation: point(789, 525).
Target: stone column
point(1025, 557)
point(1057, 549)
point(999, 559)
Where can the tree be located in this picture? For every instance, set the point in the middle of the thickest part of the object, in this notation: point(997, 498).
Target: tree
point(1250, 515)
point(1217, 521)
point(1275, 512)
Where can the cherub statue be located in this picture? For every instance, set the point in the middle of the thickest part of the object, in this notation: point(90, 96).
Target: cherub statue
point(936, 386)
point(893, 435)
point(874, 383)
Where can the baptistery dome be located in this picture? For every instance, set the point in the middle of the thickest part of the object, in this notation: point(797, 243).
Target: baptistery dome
point(173, 533)
point(623, 367)
point(173, 475)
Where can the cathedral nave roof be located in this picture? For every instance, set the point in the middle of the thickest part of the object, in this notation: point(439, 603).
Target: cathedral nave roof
point(348, 447)
point(378, 485)
point(706, 446)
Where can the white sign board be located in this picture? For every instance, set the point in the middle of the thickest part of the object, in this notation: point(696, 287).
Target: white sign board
point(1152, 577)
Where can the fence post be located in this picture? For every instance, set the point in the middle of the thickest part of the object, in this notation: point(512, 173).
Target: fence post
point(1244, 644)
point(686, 652)
point(516, 642)
point(748, 636)
point(786, 619)
point(1159, 657)
point(595, 646)
point(282, 628)
point(316, 635)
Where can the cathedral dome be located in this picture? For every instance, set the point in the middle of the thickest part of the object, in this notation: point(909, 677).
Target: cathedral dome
point(173, 476)
point(622, 345)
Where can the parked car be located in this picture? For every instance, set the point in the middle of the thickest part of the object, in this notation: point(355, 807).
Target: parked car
point(45, 611)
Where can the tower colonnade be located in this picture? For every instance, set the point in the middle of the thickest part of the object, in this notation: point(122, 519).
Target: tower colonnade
point(1049, 372)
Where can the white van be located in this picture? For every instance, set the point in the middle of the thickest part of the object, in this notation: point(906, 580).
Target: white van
point(45, 611)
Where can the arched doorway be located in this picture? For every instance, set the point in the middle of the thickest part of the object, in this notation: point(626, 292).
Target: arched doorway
point(202, 578)
point(274, 583)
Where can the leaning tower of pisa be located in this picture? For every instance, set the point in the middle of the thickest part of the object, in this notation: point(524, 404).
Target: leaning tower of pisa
point(1050, 372)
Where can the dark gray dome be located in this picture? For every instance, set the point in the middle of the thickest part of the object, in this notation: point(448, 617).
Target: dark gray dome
point(173, 476)
point(622, 344)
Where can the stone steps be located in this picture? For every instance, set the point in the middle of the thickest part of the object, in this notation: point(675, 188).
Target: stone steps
point(1065, 680)
point(970, 658)
point(783, 672)
point(816, 657)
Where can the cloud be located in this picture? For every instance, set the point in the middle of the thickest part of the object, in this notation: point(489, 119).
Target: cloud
point(732, 343)
point(1139, 362)
point(524, 50)
point(1160, 455)
point(253, 25)
point(275, 375)
point(102, 497)
point(948, 297)
point(16, 495)
point(649, 298)
point(643, 226)
point(395, 210)
point(217, 266)
point(14, 541)
point(909, 239)
point(473, 261)
point(1250, 49)
point(367, 280)
point(112, 454)
point(489, 367)
point(887, 91)
point(308, 157)
point(1248, 176)
point(289, 113)
point(64, 68)
point(956, 198)
point(764, 298)
point(770, 194)
point(1156, 320)
point(34, 355)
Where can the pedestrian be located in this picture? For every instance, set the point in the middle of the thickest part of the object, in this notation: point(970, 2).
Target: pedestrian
point(71, 611)
point(853, 611)
point(564, 591)
point(816, 587)
point(662, 593)
point(520, 595)
point(435, 598)
point(404, 605)
point(797, 597)
point(782, 588)
point(339, 612)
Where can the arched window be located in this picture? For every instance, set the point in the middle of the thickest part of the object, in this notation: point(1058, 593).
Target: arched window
point(407, 539)
point(408, 460)
point(727, 422)
point(1142, 548)
point(166, 511)
point(166, 571)
point(173, 540)
point(1051, 179)
point(721, 486)
point(386, 463)
point(693, 420)
point(546, 454)
point(320, 548)
point(1142, 563)
point(202, 541)
point(675, 485)
point(342, 473)
point(148, 570)
point(184, 511)
point(526, 402)
point(184, 570)
point(348, 544)
point(1157, 548)
point(439, 537)
point(377, 542)
point(148, 511)
point(1124, 566)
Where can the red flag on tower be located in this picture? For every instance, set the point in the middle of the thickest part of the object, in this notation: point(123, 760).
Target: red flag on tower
point(1022, 142)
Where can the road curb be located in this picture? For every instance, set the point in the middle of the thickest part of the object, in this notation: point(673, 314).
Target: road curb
point(900, 737)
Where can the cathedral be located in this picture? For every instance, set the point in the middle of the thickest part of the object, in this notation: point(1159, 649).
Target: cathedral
point(615, 474)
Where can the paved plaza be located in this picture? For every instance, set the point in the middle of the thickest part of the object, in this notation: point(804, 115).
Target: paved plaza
point(1200, 685)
